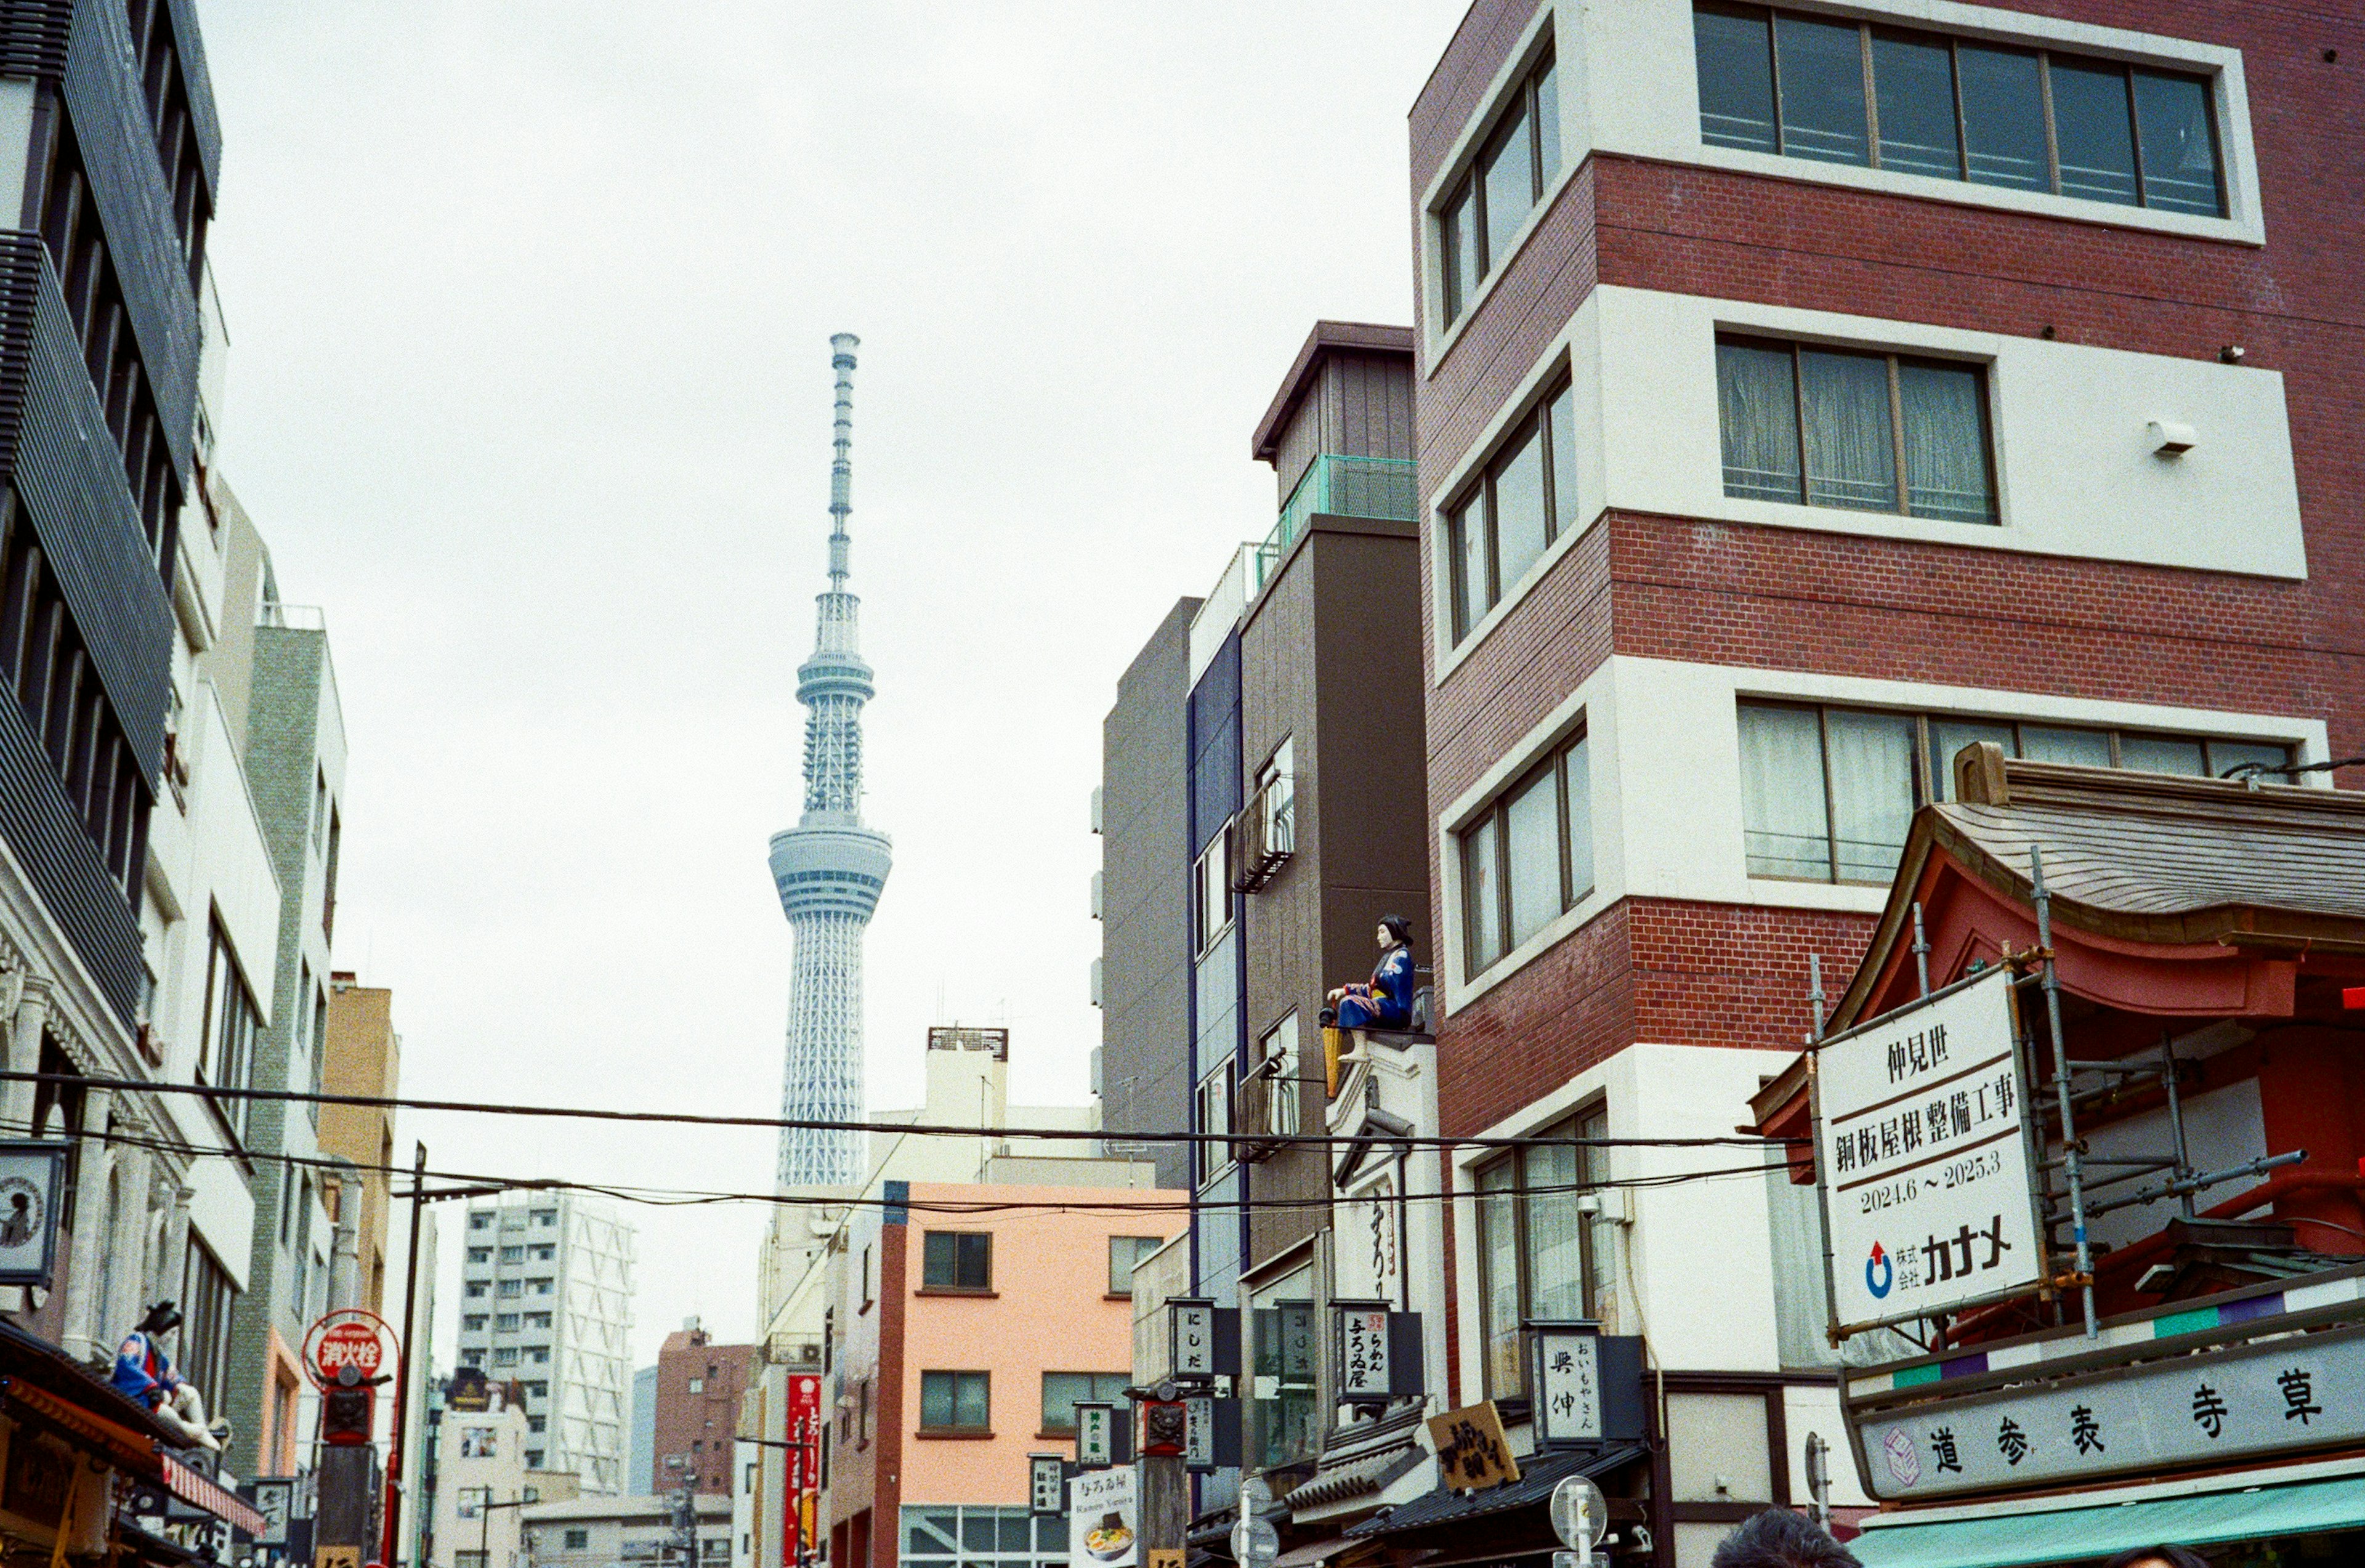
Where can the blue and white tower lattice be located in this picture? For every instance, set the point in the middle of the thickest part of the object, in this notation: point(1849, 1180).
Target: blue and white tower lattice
point(829, 868)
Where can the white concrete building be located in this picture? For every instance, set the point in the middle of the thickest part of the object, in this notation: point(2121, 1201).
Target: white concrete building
point(623, 1532)
point(546, 1301)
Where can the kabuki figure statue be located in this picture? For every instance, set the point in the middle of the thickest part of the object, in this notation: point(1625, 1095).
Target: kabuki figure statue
point(1386, 1001)
point(144, 1373)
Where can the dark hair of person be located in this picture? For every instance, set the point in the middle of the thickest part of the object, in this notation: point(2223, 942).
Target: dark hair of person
point(1781, 1538)
point(2144, 1556)
point(1399, 928)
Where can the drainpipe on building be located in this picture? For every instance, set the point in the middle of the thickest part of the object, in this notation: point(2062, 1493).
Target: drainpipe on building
point(345, 1263)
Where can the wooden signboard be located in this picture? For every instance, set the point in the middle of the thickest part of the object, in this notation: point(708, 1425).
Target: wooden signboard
point(1471, 1452)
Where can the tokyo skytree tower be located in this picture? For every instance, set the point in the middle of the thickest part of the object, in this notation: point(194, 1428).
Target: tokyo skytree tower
point(829, 868)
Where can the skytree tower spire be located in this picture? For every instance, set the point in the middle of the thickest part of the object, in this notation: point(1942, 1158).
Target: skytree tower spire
point(829, 868)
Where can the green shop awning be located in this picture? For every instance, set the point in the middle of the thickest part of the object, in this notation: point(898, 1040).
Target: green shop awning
point(2068, 1535)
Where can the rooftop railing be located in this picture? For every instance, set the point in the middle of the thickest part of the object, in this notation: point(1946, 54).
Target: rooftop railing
point(1340, 485)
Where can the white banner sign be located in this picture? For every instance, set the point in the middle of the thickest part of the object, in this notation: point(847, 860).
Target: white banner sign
point(1101, 1517)
point(1922, 1158)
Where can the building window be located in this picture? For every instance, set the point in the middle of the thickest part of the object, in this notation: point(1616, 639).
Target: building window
point(546, 1216)
point(482, 1219)
point(1283, 1420)
point(1922, 102)
point(1526, 858)
point(1214, 1156)
point(537, 1320)
point(533, 1459)
point(1523, 499)
point(957, 1260)
point(1211, 891)
point(511, 1288)
point(1277, 795)
point(1538, 1256)
point(232, 1022)
point(544, 1252)
point(1277, 1052)
point(476, 1289)
point(577, 1539)
point(1861, 431)
point(470, 1500)
point(539, 1355)
point(506, 1321)
point(539, 1287)
point(472, 1358)
point(954, 1402)
point(1126, 1254)
point(536, 1423)
point(472, 1323)
point(204, 1328)
point(1062, 1391)
point(978, 1535)
point(1828, 793)
point(698, 1385)
point(505, 1356)
point(537, 1390)
point(480, 1254)
point(1517, 163)
point(512, 1254)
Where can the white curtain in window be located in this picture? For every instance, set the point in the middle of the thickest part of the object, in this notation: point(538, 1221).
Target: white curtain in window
point(1533, 817)
point(2085, 748)
point(1481, 894)
point(1555, 1253)
point(1758, 408)
point(1946, 443)
point(1576, 776)
point(1499, 1249)
point(1783, 821)
point(1872, 791)
point(1844, 412)
point(1520, 508)
point(1600, 1255)
point(1469, 529)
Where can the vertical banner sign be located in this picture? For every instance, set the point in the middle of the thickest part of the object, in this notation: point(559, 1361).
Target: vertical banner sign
point(1922, 1158)
point(1193, 1325)
point(1367, 1261)
point(1096, 1435)
point(1361, 1338)
point(1296, 1342)
point(1199, 1434)
point(798, 1535)
point(1567, 1379)
point(1046, 1483)
point(1101, 1517)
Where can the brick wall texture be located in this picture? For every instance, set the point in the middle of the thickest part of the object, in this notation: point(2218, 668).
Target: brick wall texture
point(1685, 588)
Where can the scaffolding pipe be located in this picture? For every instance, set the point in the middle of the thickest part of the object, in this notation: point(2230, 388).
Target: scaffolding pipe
point(2072, 1166)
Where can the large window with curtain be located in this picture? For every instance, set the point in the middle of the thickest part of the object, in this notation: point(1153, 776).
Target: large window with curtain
point(205, 1326)
point(1517, 163)
point(1827, 793)
point(1825, 427)
point(1523, 498)
point(1538, 1256)
point(1527, 859)
point(232, 1021)
point(1838, 91)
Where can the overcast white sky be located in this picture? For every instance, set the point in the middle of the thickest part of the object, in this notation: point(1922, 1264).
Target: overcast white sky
point(529, 387)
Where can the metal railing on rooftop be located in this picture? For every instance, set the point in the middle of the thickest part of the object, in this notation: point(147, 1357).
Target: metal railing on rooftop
point(1340, 485)
point(293, 617)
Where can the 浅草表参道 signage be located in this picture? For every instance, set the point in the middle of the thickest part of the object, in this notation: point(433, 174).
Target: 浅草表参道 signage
point(1922, 1160)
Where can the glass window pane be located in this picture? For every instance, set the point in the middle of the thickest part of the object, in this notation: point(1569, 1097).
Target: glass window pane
point(1735, 57)
point(1459, 245)
point(970, 1395)
point(1498, 1256)
point(977, 1529)
point(1577, 778)
point(1601, 1253)
point(1758, 406)
point(1547, 126)
point(1872, 791)
point(1782, 812)
point(1822, 89)
point(1519, 486)
point(1110, 1386)
point(2082, 748)
point(2003, 117)
point(1051, 1535)
point(1060, 1391)
point(1483, 894)
point(2161, 754)
point(1475, 595)
point(935, 1399)
point(2225, 755)
point(1507, 170)
point(1014, 1531)
point(2091, 132)
point(2179, 144)
point(1946, 442)
point(1560, 422)
point(1949, 737)
point(1533, 817)
point(1556, 1256)
point(1913, 82)
point(1843, 411)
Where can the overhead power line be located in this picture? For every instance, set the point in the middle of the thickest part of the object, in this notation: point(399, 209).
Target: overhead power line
point(923, 1129)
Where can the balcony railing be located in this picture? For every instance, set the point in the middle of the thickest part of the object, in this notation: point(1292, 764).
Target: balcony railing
point(1340, 485)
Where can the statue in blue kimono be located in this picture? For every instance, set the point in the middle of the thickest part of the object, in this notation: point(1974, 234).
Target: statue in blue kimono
point(144, 1375)
point(1386, 1001)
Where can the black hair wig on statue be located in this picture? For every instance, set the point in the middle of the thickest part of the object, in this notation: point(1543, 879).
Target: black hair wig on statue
point(1399, 928)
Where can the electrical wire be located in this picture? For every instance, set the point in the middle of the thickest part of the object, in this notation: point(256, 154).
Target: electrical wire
point(481, 1184)
point(693, 1118)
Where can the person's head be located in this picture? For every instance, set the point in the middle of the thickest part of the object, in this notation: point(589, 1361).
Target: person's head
point(162, 1318)
point(1394, 930)
point(1780, 1539)
point(2161, 1556)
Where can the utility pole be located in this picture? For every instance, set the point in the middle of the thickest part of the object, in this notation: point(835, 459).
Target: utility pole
point(396, 1439)
point(341, 1533)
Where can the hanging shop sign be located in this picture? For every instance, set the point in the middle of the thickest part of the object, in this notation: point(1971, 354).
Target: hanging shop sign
point(1191, 1336)
point(1923, 1164)
point(1471, 1452)
point(800, 1530)
point(1589, 1385)
point(32, 1173)
point(1101, 1517)
point(1358, 1338)
point(1097, 1434)
point(1046, 1483)
point(2273, 1396)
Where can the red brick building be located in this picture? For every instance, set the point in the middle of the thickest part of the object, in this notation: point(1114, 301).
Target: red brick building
point(1801, 396)
point(699, 1385)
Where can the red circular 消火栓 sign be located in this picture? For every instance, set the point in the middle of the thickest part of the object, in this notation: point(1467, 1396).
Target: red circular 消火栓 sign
point(353, 1337)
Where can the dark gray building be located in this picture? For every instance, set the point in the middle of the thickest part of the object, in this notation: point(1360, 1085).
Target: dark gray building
point(1145, 969)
